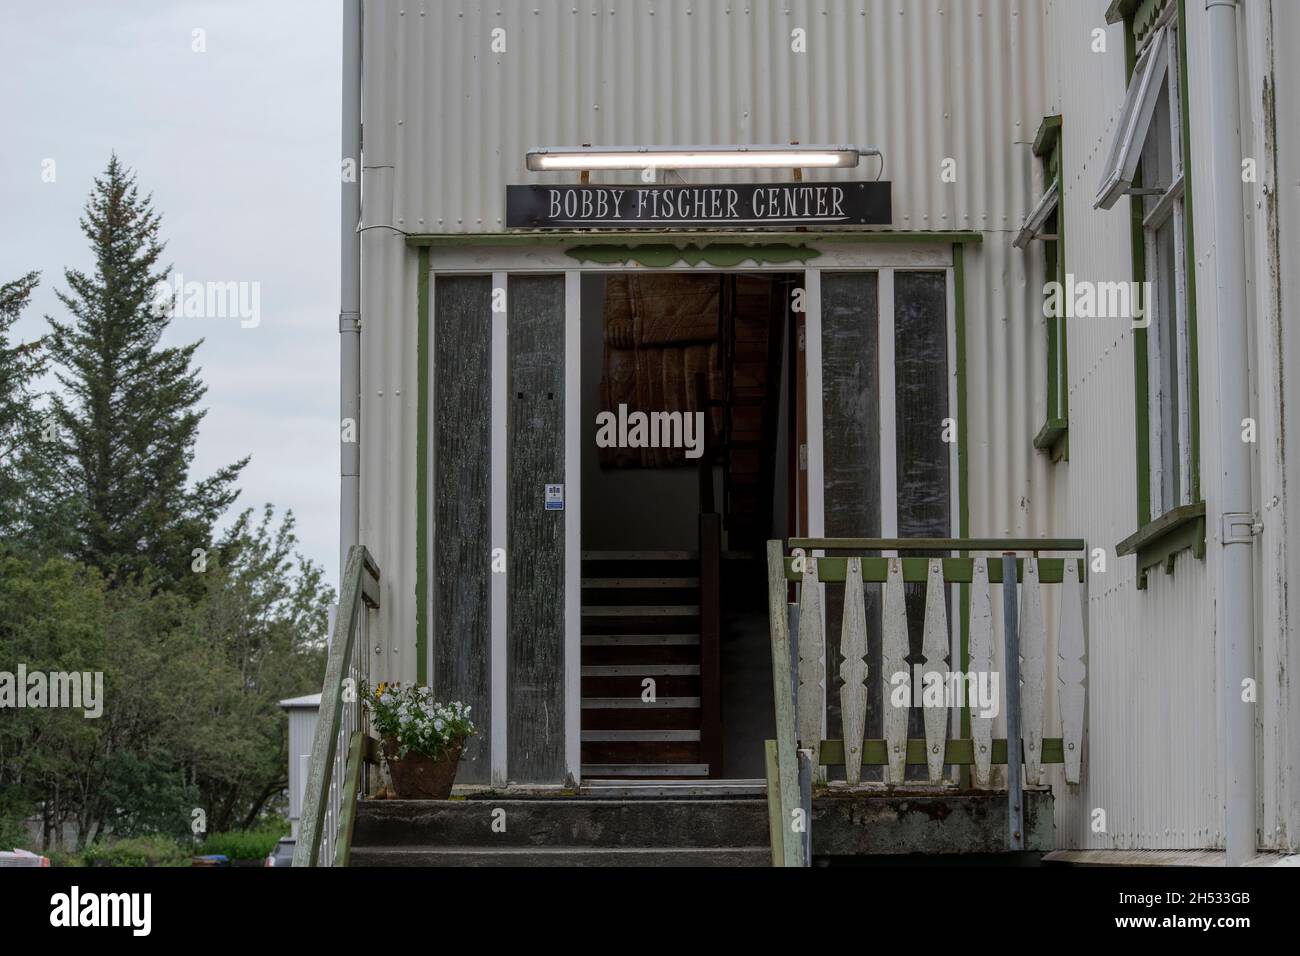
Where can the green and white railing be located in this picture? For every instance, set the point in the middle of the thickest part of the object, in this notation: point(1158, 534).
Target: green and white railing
point(342, 745)
point(799, 655)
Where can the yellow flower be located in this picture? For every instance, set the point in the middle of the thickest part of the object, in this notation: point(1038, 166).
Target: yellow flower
point(380, 689)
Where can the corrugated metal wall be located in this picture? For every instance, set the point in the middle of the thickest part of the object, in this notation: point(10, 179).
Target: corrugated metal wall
point(1152, 752)
point(447, 123)
point(922, 79)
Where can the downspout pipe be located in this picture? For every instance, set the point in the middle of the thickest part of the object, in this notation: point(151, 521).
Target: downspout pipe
point(350, 288)
point(1236, 634)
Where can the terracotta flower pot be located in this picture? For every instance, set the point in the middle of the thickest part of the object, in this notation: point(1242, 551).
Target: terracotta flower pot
point(417, 777)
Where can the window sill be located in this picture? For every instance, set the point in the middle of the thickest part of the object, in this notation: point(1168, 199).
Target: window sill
point(1159, 541)
point(1054, 438)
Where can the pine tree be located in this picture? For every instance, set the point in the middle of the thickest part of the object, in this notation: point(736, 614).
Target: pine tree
point(129, 418)
point(29, 509)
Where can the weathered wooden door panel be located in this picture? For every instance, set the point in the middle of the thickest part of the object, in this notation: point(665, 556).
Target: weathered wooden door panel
point(461, 626)
point(851, 458)
point(535, 552)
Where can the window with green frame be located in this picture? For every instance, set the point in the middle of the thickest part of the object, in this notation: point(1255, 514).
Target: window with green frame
point(1046, 223)
point(1150, 161)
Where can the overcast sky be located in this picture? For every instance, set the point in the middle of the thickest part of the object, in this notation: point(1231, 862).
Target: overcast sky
point(239, 145)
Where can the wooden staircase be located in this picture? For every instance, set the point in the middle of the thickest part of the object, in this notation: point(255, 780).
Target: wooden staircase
point(641, 623)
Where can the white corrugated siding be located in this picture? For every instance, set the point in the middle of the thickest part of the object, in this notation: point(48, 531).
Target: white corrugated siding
point(447, 123)
point(1152, 752)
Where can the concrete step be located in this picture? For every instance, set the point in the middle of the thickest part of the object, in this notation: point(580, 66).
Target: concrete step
point(562, 822)
point(560, 856)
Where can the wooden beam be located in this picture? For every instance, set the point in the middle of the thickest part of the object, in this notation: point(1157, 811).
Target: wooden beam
point(875, 751)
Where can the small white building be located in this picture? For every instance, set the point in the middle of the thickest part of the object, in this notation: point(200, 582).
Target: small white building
point(302, 713)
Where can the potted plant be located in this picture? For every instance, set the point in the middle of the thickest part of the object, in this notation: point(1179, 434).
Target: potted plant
point(422, 739)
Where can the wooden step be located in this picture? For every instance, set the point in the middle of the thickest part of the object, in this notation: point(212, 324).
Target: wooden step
point(643, 717)
point(638, 640)
point(636, 703)
point(640, 555)
point(654, 735)
point(630, 685)
point(598, 771)
point(641, 655)
point(641, 610)
point(641, 751)
point(640, 582)
point(641, 670)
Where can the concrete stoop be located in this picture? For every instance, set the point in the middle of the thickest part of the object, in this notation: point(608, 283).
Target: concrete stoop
point(725, 832)
point(561, 831)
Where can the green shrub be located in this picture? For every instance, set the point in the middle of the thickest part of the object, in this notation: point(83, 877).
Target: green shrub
point(245, 844)
point(154, 850)
point(65, 858)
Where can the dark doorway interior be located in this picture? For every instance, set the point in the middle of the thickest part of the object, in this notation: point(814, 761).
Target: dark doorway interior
point(676, 670)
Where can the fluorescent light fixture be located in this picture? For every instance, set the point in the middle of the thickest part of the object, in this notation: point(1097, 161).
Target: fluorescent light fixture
point(556, 159)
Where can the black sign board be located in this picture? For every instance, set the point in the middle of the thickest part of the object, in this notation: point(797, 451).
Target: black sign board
point(755, 205)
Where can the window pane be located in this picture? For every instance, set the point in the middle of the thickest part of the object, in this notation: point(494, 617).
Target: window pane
point(1167, 330)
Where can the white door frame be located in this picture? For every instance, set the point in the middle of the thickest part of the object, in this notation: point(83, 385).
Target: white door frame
point(501, 261)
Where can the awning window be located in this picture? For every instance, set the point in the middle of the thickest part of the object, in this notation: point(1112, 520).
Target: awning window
point(1134, 121)
point(1036, 220)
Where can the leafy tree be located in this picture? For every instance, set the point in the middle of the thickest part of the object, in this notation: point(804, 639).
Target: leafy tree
point(129, 420)
point(265, 620)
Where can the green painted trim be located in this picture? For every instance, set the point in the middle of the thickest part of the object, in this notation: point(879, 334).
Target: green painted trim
point(1049, 131)
point(1062, 451)
point(996, 545)
point(1120, 10)
point(422, 471)
point(1189, 261)
point(875, 752)
point(917, 570)
point(662, 255)
point(963, 469)
point(1050, 435)
point(1146, 14)
point(1158, 542)
point(1141, 393)
point(685, 235)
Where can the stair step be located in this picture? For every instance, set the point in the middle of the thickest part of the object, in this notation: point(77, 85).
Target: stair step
point(601, 770)
point(647, 717)
point(640, 582)
point(636, 703)
point(638, 640)
point(561, 856)
point(640, 555)
point(641, 610)
point(641, 670)
point(647, 736)
point(555, 821)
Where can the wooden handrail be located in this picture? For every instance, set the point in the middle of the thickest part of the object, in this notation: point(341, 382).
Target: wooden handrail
point(995, 545)
point(360, 590)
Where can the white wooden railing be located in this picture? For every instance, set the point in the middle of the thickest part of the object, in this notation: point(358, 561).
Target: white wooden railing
point(339, 747)
point(797, 757)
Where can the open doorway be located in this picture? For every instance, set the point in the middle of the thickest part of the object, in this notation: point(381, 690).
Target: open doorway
point(688, 466)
